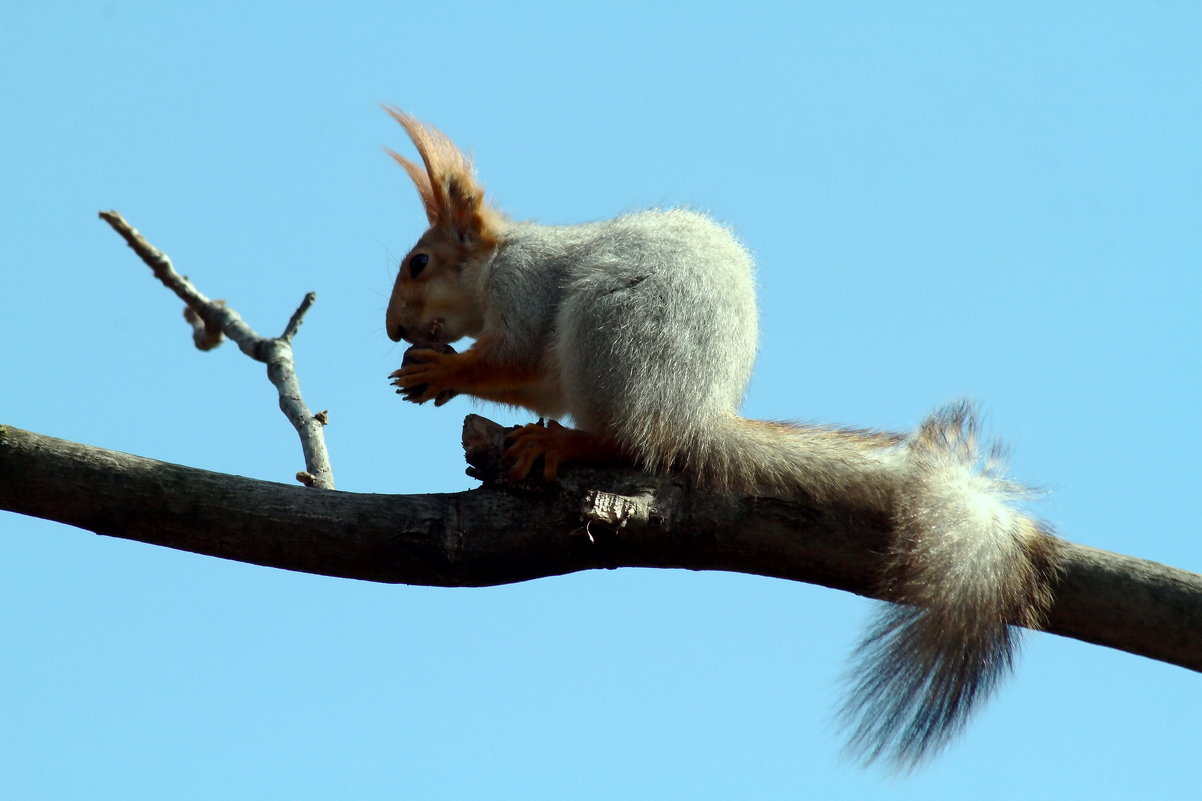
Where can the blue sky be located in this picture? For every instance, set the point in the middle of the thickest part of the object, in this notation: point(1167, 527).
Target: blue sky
point(999, 201)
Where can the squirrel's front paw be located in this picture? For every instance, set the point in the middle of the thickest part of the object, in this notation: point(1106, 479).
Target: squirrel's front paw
point(425, 374)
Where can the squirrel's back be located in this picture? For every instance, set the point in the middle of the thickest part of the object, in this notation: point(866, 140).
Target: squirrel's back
point(671, 291)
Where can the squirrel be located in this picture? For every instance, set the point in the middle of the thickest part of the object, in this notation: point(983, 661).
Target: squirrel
point(642, 329)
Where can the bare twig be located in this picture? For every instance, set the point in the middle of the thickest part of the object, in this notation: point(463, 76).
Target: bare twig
point(294, 323)
point(210, 319)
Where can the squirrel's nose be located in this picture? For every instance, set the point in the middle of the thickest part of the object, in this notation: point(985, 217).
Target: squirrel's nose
point(396, 332)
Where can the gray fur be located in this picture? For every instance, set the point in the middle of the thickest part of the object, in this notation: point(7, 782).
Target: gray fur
point(644, 329)
point(616, 302)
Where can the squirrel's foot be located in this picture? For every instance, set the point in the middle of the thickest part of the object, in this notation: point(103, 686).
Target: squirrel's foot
point(426, 374)
point(556, 445)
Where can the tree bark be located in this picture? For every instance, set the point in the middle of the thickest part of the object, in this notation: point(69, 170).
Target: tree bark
point(501, 534)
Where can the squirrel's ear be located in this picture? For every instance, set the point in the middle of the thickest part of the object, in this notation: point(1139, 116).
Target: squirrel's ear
point(474, 222)
point(447, 186)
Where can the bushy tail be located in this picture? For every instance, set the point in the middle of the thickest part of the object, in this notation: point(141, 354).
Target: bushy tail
point(965, 568)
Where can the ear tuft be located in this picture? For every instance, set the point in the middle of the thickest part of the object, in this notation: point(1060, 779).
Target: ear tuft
point(448, 187)
point(421, 180)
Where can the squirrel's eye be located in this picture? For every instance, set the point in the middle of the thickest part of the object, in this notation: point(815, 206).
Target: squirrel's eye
point(417, 263)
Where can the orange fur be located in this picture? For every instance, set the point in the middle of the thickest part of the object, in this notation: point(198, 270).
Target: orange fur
point(448, 187)
point(472, 372)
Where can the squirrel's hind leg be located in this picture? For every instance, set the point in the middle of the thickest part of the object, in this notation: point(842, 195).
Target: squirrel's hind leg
point(557, 445)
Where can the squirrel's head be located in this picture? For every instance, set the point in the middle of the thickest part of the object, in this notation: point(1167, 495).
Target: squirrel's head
point(437, 296)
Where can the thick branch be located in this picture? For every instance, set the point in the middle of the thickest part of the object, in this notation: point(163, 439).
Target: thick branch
point(210, 319)
point(495, 535)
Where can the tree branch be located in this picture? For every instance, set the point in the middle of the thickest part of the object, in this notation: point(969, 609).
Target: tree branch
point(590, 519)
point(210, 319)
